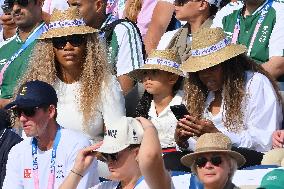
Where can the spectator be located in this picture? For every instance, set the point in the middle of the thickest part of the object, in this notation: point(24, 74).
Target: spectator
point(213, 161)
point(14, 55)
point(7, 140)
point(258, 26)
point(46, 158)
point(197, 14)
point(124, 46)
point(126, 150)
point(9, 25)
point(278, 139)
point(217, 74)
point(162, 81)
point(73, 59)
point(161, 18)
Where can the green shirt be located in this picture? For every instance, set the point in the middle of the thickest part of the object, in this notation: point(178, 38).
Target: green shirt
point(16, 69)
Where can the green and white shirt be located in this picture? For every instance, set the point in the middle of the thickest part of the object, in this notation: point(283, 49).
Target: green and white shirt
point(125, 50)
point(269, 40)
point(16, 69)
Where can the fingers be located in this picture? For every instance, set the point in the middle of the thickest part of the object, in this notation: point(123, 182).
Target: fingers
point(190, 126)
point(187, 129)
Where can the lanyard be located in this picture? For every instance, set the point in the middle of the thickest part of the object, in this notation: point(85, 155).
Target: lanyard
point(264, 11)
point(51, 176)
point(37, 32)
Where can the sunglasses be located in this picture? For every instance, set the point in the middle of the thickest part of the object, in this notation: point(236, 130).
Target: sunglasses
point(180, 3)
point(27, 111)
point(74, 40)
point(109, 157)
point(22, 3)
point(215, 160)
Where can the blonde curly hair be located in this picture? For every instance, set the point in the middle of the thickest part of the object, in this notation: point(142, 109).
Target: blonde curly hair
point(43, 66)
point(233, 90)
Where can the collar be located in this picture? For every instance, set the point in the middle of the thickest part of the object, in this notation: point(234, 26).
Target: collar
point(257, 10)
point(176, 100)
point(18, 39)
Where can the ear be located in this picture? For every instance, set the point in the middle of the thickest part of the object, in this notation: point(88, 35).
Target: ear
point(204, 5)
point(173, 79)
point(100, 6)
point(52, 111)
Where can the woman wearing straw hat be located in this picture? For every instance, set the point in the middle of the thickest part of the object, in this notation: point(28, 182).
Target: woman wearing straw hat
point(71, 57)
point(227, 92)
point(213, 161)
point(125, 148)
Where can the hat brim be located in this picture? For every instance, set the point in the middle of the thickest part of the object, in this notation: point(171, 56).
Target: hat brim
point(110, 148)
point(197, 63)
point(73, 30)
point(23, 103)
point(189, 159)
point(138, 73)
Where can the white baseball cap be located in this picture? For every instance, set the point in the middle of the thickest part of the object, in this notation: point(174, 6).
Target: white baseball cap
point(121, 134)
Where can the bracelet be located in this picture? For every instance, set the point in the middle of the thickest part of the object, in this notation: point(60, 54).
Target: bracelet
point(77, 173)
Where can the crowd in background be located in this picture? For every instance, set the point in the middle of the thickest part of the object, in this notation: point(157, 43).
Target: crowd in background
point(123, 93)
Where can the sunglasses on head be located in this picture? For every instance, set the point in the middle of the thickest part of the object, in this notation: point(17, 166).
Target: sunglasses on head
point(22, 3)
point(183, 2)
point(215, 160)
point(27, 111)
point(74, 40)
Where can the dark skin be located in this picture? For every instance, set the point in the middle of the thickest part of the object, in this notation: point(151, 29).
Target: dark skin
point(191, 126)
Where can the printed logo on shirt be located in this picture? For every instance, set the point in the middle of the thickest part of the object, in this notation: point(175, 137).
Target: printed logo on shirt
point(3, 61)
point(59, 172)
point(111, 133)
point(135, 138)
point(264, 34)
point(27, 173)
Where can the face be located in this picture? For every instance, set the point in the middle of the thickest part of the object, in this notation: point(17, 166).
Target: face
point(215, 172)
point(212, 77)
point(26, 12)
point(157, 81)
point(188, 9)
point(34, 119)
point(70, 51)
point(88, 9)
point(122, 165)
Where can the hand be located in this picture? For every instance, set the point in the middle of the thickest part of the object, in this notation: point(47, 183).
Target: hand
point(197, 127)
point(278, 139)
point(9, 26)
point(85, 157)
point(145, 123)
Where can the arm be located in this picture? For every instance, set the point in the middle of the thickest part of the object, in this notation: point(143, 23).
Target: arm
point(83, 160)
point(161, 18)
point(4, 102)
point(126, 83)
point(275, 66)
point(150, 160)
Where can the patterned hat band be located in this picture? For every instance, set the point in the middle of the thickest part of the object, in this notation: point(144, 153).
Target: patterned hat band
point(163, 62)
point(66, 23)
point(211, 49)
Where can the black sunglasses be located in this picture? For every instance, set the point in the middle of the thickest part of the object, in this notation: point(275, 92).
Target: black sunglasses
point(22, 3)
point(180, 3)
point(27, 111)
point(109, 157)
point(74, 40)
point(215, 160)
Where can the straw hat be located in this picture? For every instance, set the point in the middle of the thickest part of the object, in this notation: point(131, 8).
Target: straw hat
point(67, 22)
point(209, 48)
point(166, 60)
point(213, 142)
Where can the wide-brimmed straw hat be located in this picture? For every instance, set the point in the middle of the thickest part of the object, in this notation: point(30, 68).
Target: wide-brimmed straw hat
point(166, 60)
point(211, 143)
point(67, 22)
point(209, 48)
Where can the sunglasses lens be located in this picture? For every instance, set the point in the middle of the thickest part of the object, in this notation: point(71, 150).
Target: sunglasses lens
point(201, 161)
point(216, 160)
point(29, 112)
point(59, 42)
point(74, 40)
point(109, 157)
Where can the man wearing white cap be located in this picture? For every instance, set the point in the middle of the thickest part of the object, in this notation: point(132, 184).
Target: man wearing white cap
point(197, 14)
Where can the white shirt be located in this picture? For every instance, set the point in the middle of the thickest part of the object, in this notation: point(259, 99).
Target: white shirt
point(110, 109)
point(166, 121)
point(262, 115)
point(19, 173)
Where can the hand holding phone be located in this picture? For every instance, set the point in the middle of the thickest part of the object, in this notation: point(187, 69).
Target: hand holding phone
point(179, 111)
point(6, 8)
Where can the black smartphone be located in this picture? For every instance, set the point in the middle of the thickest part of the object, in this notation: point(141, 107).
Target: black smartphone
point(179, 111)
point(6, 8)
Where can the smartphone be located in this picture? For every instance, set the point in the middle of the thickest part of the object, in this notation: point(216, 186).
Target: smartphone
point(179, 111)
